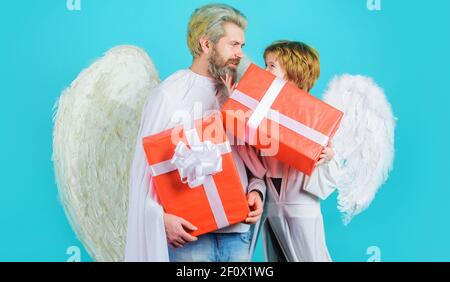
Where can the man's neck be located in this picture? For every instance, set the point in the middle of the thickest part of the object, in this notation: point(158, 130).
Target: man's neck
point(200, 66)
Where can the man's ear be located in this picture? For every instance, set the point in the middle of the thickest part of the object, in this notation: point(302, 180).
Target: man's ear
point(205, 43)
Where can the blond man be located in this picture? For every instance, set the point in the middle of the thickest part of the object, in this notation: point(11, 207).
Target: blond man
point(215, 39)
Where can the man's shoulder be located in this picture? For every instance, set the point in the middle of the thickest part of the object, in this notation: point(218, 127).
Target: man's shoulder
point(167, 89)
point(166, 92)
point(174, 80)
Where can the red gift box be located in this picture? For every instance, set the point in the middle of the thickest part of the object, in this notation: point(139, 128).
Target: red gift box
point(195, 176)
point(280, 119)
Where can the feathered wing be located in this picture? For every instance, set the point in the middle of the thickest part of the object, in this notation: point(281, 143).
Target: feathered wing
point(95, 125)
point(364, 143)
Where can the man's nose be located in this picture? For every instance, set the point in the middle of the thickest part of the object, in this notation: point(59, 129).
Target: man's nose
point(239, 54)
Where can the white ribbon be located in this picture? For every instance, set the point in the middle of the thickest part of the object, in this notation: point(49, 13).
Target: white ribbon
point(196, 166)
point(196, 163)
point(264, 106)
point(262, 109)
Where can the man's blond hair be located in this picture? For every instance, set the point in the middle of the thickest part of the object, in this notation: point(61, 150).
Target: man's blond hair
point(208, 21)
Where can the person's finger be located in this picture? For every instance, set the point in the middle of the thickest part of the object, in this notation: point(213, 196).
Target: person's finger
point(252, 219)
point(323, 156)
point(180, 240)
point(321, 161)
point(251, 200)
point(257, 212)
point(258, 204)
point(227, 79)
point(175, 244)
point(186, 236)
point(187, 224)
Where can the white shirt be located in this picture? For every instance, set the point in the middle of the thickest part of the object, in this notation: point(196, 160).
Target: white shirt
point(183, 94)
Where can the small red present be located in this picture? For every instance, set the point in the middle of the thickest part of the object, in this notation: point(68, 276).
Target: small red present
point(195, 176)
point(280, 119)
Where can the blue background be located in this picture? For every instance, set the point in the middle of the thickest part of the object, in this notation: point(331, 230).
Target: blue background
point(404, 46)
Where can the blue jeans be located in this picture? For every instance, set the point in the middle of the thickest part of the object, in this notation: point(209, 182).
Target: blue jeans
point(215, 247)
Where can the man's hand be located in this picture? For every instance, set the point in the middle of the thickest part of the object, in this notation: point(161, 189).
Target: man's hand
point(256, 207)
point(175, 230)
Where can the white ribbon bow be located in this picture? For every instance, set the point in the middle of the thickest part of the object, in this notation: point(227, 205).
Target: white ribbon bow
point(196, 163)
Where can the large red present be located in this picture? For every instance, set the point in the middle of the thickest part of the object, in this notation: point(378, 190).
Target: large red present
point(280, 119)
point(195, 176)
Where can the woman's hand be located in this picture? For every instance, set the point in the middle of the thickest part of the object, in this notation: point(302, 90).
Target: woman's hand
point(228, 82)
point(256, 207)
point(327, 154)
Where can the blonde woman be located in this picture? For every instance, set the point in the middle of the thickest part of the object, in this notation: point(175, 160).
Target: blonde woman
point(293, 230)
point(292, 226)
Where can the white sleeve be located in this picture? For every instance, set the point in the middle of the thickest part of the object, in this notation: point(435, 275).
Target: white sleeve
point(255, 168)
point(146, 239)
point(323, 180)
point(258, 185)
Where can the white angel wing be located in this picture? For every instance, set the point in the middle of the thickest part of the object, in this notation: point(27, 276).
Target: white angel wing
point(95, 126)
point(364, 142)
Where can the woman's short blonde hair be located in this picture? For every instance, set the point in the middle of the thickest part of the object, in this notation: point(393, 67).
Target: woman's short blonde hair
point(299, 61)
point(208, 21)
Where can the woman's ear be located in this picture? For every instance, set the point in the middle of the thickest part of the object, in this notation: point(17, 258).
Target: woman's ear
point(205, 43)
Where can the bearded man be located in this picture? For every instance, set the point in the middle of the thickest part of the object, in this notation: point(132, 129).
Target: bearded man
point(215, 39)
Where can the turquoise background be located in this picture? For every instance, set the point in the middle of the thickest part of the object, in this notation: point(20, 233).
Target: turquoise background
point(404, 46)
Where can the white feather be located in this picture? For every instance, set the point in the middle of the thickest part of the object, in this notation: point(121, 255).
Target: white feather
point(364, 142)
point(95, 126)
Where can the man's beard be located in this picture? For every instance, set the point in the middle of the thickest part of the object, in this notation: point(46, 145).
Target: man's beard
point(219, 69)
